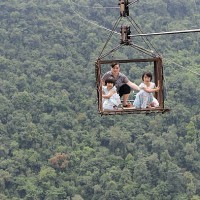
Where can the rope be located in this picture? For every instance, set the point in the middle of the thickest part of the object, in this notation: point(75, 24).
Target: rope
point(182, 67)
point(133, 2)
point(116, 23)
point(148, 34)
point(164, 79)
point(103, 7)
point(91, 22)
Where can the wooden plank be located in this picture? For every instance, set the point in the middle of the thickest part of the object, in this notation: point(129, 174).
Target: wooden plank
point(135, 111)
point(128, 61)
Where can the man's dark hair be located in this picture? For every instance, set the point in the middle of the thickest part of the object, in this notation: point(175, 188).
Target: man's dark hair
point(149, 74)
point(113, 64)
point(110, 80)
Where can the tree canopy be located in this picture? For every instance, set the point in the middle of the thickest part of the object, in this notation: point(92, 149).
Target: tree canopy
point(54, 144)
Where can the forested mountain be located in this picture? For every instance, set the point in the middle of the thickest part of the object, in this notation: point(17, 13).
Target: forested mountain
point(53, 143)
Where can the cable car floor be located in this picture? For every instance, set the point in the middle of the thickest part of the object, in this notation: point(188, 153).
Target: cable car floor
point(132, 110)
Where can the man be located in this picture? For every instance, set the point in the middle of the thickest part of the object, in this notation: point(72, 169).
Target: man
point(122, 83)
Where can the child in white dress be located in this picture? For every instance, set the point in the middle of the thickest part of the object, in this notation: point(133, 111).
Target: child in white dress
point(109, 94)
point(145, 98)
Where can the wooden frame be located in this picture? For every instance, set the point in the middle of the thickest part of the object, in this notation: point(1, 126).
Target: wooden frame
point(158, 76)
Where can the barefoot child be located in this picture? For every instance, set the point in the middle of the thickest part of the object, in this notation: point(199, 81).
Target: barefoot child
point(145, 98)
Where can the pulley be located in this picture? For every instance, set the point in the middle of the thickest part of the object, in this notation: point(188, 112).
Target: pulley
point(124, 9)
point(125, 35)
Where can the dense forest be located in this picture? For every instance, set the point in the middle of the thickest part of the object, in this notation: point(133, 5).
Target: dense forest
point(54, 145)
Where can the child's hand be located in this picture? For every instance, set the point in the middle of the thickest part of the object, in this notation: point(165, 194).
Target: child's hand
point(157, 88)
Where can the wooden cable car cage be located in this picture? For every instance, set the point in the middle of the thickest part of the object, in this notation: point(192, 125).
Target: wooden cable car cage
point(158, 77)
point(154, 58)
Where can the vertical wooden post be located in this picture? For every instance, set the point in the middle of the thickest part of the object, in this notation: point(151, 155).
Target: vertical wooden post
point(99, 85)
point(158, 74)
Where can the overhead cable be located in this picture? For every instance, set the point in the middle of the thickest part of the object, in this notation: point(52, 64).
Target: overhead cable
point(93, 23)
point(167, 33)
point(103, 7)
point(133, 2)
point(116, 23)
point(182, 66)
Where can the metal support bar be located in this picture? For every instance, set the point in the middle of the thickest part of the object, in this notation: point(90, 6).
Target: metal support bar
point(116, 23)
point(148, 52)
point(117, 47)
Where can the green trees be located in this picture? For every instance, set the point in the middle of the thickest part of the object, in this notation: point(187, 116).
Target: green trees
point(53, 143)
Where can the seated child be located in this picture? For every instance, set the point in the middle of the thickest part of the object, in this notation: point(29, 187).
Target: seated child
point(109, 93)
point(145, 98)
